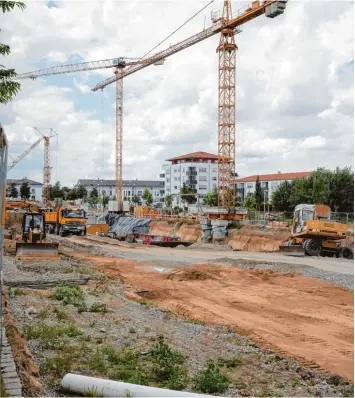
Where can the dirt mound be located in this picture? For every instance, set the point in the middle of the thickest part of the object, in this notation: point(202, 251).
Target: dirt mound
point(256, 239)
point(192, 274)
point(186, 232)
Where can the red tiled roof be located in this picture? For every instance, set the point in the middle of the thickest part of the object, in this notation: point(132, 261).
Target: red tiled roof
point(273, 177)
point(196, 155)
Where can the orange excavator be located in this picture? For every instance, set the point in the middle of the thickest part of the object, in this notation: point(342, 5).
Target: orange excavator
point(313, 233)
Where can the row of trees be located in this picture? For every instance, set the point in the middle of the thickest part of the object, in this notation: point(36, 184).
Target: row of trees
point(333, 188)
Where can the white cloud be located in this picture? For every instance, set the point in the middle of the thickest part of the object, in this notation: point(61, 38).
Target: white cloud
point(294, 93)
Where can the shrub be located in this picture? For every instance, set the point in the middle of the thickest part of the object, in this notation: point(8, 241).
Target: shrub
point(210, 380)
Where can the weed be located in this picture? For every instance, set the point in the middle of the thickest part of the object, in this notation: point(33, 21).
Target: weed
point(49, 336)
point(15, 291)
point(252, 344)
point(210, 380)
point(43, 314)
point(231, 363)
point(61, 314)
point(99, 307)
point(273, 358)
point(334, 380)
point(194, 321)
point(68, 270)
point(92, 392)
point(57, 366)
point(147, 329)
point(97, 361)
point(348, 391)
point(85, 271)
point(296, 382)
point(69, 295)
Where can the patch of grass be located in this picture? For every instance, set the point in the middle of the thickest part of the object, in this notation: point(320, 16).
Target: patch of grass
point(348, 391)
point(85, 271)
point(69, 295)
point(91, 392)
point(58, 366)
point(97, 362)
point(61, 314)
point(194, 321)
point(273, 358)
point(68, 270)
point(334, 380)
point(99, 307)
point(43, 314)
point(15, 291)
point(210, 380)
point(50, 336)
point(147, 329)
point(296, 382)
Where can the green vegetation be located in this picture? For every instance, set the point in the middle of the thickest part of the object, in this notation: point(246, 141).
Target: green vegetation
point(15, 291)
point(333, 188)
point(61, 314)
point(211, 198)
point(334, 380)
point(210, 380)
point(43, 314)
point(51, 336)
point(230, 363)
point(99, 307)
point(70, 295)
point(147, 196)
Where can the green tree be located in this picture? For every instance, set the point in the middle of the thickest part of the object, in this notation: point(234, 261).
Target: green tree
point(56, 191)
point(259, 196)
point(187, 194)
point(81, 192)
point(72, 194)
point(168, 201)
point(25, 190)
point(147, 196)
point(104, 200)
point(13, 191)
point(249, 202)
point(211, 198)
point(66, 193)
point(136, 200)
point(341, 195)
point(8, 87)
point(281, 197)
point(94, 197)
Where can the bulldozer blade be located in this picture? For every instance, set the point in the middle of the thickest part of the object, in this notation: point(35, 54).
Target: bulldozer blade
point(36, 250)
point(292, 250)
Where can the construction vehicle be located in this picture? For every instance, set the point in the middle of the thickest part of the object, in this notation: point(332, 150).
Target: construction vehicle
point(313, 233)
point(33, 244)
point(65, 220)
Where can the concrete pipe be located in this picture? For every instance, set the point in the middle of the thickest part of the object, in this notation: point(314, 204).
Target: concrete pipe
point(84, 385)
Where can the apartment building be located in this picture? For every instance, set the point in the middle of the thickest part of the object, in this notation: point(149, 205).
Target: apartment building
point(130, 188)
point(269, 183)
point(197, 170)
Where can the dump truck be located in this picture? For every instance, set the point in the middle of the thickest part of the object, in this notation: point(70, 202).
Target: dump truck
point(33, 242)
point(65, 220)
point(313, 233)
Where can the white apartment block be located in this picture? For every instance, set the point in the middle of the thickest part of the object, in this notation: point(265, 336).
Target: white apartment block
point(197, 170)
point(130, 188)
point(269, 183)
point(36, 188)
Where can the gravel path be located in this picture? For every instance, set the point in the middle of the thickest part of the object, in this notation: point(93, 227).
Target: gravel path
point(334, 278)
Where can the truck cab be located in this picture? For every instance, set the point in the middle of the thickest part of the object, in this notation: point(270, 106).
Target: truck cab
point(66, 220)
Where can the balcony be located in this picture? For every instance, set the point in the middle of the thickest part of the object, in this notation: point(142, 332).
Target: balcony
point(191, 173)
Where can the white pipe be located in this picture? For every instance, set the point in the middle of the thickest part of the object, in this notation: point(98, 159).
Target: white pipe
point(109, 388)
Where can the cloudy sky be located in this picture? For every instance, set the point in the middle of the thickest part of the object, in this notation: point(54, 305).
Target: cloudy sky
point(294, 92)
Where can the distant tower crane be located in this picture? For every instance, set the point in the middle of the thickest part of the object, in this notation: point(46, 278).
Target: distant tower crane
point(46, 163)
point(227, 25)
point(118, 64)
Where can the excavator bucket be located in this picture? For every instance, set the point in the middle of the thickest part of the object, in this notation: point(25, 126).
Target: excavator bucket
point(36, 250)
point(292, 250)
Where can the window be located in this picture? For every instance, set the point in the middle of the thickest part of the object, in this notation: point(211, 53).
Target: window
point(168, 180)
point(214, 170)
point(175, 187)
point(175, 178)
point(202, 170)
point(214, 178)
point(202, 178)
point(110, 193)
point(140, 193)
point(202, 187)
point(250, 185)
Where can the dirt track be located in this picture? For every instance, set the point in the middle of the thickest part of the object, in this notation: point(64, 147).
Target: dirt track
point(303, 317)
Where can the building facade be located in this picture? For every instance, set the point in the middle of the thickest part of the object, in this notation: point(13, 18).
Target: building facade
point(198, 170)
point(269, 183)
point(36, 188)
point(130, 188)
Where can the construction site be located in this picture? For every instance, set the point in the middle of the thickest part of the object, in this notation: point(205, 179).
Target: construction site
point(135, 301)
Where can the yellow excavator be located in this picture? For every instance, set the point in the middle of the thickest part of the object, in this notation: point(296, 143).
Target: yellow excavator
point(313, 233)
point(33, 244)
